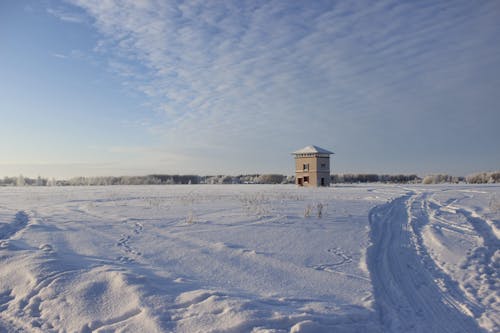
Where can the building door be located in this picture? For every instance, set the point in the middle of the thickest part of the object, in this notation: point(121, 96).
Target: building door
point(322, 181)
point(299, 182)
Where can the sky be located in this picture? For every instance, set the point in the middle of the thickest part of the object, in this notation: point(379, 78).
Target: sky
point(135, 87)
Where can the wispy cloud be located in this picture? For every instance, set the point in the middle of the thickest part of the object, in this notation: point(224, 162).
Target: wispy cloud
point(66, 15)
point(226, 72)
point(59, 55)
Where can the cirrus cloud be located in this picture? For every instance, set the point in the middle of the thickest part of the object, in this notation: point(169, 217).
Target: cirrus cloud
point(245, 73)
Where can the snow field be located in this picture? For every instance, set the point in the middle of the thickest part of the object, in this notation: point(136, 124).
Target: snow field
point(249, 258)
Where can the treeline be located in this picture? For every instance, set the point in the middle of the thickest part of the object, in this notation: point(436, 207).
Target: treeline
point(374, 178)
point(25, 181)
point(476, 178)
point(351, 178)
point(150, 180)
point(441, 179)
point(484, 178)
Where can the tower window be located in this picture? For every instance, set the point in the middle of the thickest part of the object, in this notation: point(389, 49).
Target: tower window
point(305, 167)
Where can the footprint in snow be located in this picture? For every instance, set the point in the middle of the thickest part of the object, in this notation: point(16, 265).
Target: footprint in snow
point(125, 259)
point(47, 248)
point(138, 228)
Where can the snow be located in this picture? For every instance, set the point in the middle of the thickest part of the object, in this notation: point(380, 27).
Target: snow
point(250, 258)
point(312, 150)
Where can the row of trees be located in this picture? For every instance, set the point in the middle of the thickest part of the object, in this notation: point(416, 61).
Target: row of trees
point(25, 181)
point(483, 178)
point(149, 180)
point(442, 178)
point(478, 178)
point(374, 178)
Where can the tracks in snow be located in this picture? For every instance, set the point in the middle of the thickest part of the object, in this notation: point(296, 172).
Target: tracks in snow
point(411, 293)
point(9, 230)
point(342, 258)
point(124, 242)
point(479, 278)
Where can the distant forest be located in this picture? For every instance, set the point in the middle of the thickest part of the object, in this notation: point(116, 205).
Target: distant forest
point(347, 178)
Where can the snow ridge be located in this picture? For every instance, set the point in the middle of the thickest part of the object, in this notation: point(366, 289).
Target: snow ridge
point(9, 230)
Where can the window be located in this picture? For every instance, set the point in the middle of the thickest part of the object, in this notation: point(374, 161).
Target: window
point(323, 165)
point(305, 167)
point(306, 179)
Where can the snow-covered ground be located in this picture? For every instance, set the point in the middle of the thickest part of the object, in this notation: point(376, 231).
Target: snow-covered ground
point(250, 258)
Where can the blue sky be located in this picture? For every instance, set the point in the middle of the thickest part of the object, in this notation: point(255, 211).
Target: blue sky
point(91, 87)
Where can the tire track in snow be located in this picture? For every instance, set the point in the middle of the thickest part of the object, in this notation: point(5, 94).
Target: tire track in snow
point(481, 282)
point(407, 297)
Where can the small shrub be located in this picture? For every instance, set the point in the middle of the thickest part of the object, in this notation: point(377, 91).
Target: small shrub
point(190, 218)
point(319, 206)
point(308, 210)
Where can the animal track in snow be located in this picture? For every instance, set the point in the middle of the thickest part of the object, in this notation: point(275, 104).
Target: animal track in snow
point(138, 228)
point(343, 258)
point(125, 259)
point(124, 243)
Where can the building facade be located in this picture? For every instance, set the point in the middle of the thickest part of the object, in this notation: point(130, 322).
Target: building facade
point(312, 166)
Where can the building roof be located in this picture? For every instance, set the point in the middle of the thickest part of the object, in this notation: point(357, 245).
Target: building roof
point(312, 150)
